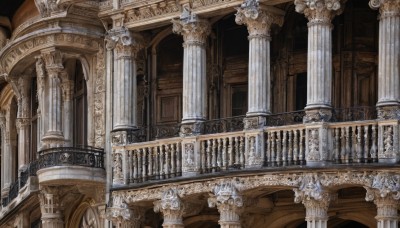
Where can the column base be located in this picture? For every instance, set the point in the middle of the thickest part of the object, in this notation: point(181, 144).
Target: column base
point(388, 112)
point(317, 115)
point(52, 139)
point(127, 136)
point(191, 128)
point(254, 122)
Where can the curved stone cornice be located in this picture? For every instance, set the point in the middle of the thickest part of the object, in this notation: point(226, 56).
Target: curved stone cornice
point(319, 11)
point(33, 43)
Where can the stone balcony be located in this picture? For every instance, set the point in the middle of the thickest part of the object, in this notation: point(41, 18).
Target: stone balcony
point(355, 138)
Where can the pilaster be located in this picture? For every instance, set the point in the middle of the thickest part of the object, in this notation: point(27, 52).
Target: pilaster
point(319, 56)
point(23, 121)
point(50, 207)
point(385, 193)
point(229, 203)
point(195, 32)
point(258, 20)
point(389, 57)
point(172, 208)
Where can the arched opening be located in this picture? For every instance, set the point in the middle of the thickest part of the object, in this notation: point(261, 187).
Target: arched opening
point(80, 106)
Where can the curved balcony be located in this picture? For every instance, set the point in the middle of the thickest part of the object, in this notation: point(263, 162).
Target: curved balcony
point(75, 164)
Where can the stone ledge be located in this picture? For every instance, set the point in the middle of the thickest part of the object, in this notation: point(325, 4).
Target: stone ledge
point(59, 175)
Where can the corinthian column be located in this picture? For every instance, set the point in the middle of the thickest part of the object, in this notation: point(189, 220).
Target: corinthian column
point(316, 201)
point(171, 206)
point(50, 207)
point(194, 31)
point(124, 217)
point(385, 193)
point(389, 58)
point(23, 122)
point(258, 20)
point(229, 202)
point(319, 57)
point(67, 87)
point(52, 104)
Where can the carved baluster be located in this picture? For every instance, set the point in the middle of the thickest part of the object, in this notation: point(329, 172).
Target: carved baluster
point(241, 150)
point(278, 148)
point(167, 160)
point(366, 143)
point(230, 152)
point(178, 159)
point(273, 148)
point(284, 147)
point(162, 169)
point(156, 163)
point(353, 144)
point(374, 154)
point(295, 147)
point(343, 144)
point(135, 166)
point(360, 156)
point(173, 160)
point(219, 157)
point(337, 149)
point(224, 155)
point(237, 159)
point(151, 162)
point(209, 147)
point(214, 155)
point(203, 156)
point(139, 162)
point(144, 168)
point(301, 151)
point(290, 151)
point(348, 148)
point(268, 146)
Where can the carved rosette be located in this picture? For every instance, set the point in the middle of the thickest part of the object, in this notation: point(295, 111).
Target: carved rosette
point(385, 192)
point(257, 20)
point(319, 11)
point(172, 208)
point(229, 203)
point(387, 8)
point(193, 29)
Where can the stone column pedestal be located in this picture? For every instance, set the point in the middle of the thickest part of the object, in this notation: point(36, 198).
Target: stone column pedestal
point(194, 31)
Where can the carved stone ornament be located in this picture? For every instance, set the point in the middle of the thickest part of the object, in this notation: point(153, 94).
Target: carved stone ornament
point(125, 43)
point(193, 29)
point(191, 129)
point(48, 7)
point(189, 159)
point(388, 113)
point(120, 213)
point(254, 122)
point(258, 21)
point(319, 11)
point(172, 208)
point(318, 115)
point(383, 185)
point(387, 8)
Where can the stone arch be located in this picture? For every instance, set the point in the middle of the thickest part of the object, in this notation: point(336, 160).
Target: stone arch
point(84, 213)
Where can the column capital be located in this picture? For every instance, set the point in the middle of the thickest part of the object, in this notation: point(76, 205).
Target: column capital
point(191, 27)
point(53, 60)
point(319, 11)
point(124, 42)
point(67, 87)
point(387, 8)
point(171, 207)
point(257, 18)
point(22, 122)
point(120, 213)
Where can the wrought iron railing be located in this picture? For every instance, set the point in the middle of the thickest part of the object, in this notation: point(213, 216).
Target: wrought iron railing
point(80, 156)
point(285, 118)
point(354, 114)
point(229, 124)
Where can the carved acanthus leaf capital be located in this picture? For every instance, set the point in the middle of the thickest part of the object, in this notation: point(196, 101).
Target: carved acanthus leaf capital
point(171, 206)
point(193, 29)
point(125, 43)
point(119, 212)
point(387, 8)
point(53, 61)
point(258, 21)
point(319, 11)
point(226, 194)
point(384, 185)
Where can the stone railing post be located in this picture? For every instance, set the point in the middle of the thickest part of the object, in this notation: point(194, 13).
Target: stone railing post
point(316, 201)
point(172, 208)
point(229, 203)
point(258, 20)
point(385, 193)
point(194, 31)
point(388, 141)
point(50, 206)
point(123, 216)
point(389, 57)
point(191, 159)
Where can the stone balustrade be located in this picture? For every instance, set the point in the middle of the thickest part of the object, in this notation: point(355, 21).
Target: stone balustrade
point(310, 144)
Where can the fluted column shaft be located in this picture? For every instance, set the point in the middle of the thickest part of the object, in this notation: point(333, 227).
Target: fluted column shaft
point(194, 32)
point(316, 213)
point(23, 142)
point(389, 52)
point(125, 89)
point(229, 218)
point(387, 216)
point(67, 89)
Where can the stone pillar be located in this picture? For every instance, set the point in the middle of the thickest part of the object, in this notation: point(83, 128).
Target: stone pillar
point(194, 31)
point(50, 207)
point(23, 122)
point(67, 87)
point(319, 59)
point(40, 77)
point(172, 208)
point(385, 192)
point(315, 199)
point(53, 136)
point(229, 202)
point(124, 217)
point(389, 57)
point(5, 183)
point(258, 20)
